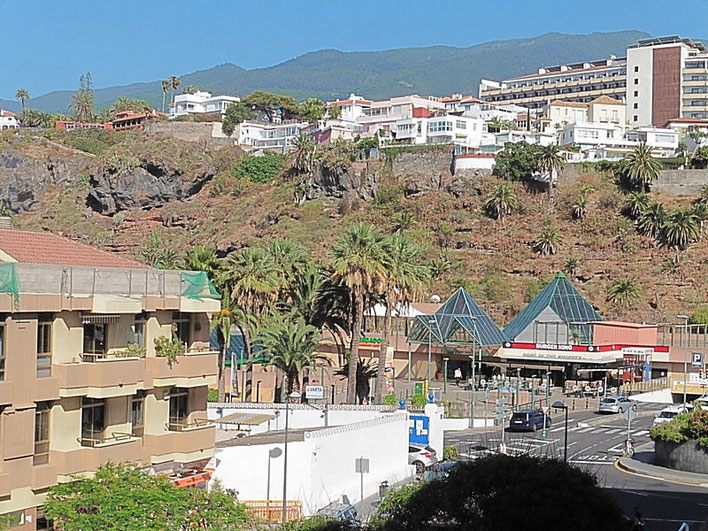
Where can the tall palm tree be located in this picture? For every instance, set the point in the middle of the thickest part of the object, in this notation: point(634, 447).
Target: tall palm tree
point(548, 239)
point(289, 259)
point(682, 227)
point(624, 292)
point(501, 201)
point(303, 158)
point(165, 88)
point(550, 162)
point(365, 371)
point(358, 263)
point(291, 346)
point(222, 324)
point(642, 169)
point(404, 278)
point(201, 258)
point(175, 82)
point(652, 219)
point(23, 95)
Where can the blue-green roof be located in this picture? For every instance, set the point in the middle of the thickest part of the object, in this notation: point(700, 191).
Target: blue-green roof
point(563, 299)
point(459, 321)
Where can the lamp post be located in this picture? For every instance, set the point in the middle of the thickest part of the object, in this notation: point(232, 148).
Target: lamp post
point(445, 360)
point(685, 362)
point(294, 395)
point(544, 434)
point(474, 379)
point(561, 405)
point(430, 348)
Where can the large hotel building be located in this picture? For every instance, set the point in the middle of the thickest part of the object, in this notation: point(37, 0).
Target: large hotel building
point(81, 382)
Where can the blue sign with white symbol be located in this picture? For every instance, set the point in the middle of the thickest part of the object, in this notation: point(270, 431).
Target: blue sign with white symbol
point(418, 429)
point(696, 359)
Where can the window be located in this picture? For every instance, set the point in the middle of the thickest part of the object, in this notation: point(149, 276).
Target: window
point(41, 433)
point(615, 115)
point(92, 421)
point(636, 81)
point(2, 351)
point(178, 408)
point(635, 105)
point(636, 69)
point(635, 118)
point(95, 338)
point(182, 322)
point(137, 414)
point(460, 124)
point(696, 103)
point(636, 93)
point(139, 331)
point(665, 138)
point(603, 115)
point(44, 346)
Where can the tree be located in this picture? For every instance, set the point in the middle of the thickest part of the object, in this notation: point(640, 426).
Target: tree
point(236, 113)
point(550, 163)
point(624, 292)
point(272, 104)
point(190, 89)
point(124, 104)
point(311, 110)
point(651, 220)
point(126, 497)
point(478, 495)
point(289, 259)
point(303, 158)
point(357, 262)
point(334, 112)
point(501, 201)
point(201, 258)
point(403, 279)
point(548, 239)
point(636, 203)
point(35, 118)
point(291, 346)
point(570, 266)
point(518, 161)
point(175, 82)
point(165, 88)
point(642, 168)
point(699, 160)
point(681, 227)
point(23, 95)
point(365, 371)
point(222, 323)
point(82, 105)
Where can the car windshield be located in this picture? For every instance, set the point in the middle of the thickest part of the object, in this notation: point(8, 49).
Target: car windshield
point(667, 414)
point(608, 400)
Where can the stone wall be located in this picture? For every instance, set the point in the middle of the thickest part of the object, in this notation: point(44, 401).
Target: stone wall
point(687, 456)
point(433, 163)
point(208, 133)
point(681, 182)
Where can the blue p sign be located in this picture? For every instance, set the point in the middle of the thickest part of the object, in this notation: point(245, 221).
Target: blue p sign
point(696, 359)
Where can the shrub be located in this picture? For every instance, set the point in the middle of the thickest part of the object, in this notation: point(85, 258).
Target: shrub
point(691, 426)
point(169, 348)
point(213, 395)
point(259, 169)
point(451, 453)
point(700, 316)
point(390, 400)
point(419, 401)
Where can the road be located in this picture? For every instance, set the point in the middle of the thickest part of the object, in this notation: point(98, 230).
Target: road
point(595, 447)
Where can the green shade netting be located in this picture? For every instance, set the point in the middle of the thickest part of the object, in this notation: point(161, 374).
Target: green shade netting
point(198, 286)
point(9, 283)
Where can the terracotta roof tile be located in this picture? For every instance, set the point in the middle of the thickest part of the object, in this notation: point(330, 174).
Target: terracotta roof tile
point(47, 248)
point(606, 100)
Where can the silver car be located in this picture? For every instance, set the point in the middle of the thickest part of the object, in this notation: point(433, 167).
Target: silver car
point(421, 456)
point(615, 404)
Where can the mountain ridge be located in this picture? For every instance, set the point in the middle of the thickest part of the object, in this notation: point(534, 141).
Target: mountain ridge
point(330, 73)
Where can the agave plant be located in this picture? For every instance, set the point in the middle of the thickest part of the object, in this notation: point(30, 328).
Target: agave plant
point(570, 266)
point(637, 202)
point(651, 220)
point(682, 227)
point(580, 208)
point(548, 239)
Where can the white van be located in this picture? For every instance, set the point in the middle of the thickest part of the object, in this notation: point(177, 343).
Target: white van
point(668, 414)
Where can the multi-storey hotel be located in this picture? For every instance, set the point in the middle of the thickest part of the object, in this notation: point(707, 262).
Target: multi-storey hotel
point(579, 82)
point(81, 382)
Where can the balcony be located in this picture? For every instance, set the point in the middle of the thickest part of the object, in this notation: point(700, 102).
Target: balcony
point(192, 369)
point(188, 425)
point(104, 439)
point(88, 459)
point(100, 376)
point(181, 446)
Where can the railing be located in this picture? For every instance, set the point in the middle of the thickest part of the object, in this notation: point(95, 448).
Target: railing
point(94, 357)
point(188, 425)
point(272, 510)
point(680, 335)
point(105, 439)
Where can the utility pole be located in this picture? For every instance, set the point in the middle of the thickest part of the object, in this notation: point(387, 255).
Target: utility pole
point(685, 354)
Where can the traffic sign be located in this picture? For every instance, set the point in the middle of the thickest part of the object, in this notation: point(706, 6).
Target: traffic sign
point(631, 413)
point(545, 409)
point(696, 359)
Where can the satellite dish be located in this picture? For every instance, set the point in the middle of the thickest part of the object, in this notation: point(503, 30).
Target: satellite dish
point(435, 298)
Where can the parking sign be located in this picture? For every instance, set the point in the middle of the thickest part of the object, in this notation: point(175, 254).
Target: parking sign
point(696, 359)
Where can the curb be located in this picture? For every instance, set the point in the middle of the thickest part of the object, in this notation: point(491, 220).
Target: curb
point(625, 465)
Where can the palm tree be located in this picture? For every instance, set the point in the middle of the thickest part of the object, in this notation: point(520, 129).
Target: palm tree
point(403, 221)
point(200, 258)
point(680, 229)
point(357, 263)
point(642, 169)
point(291, 346)
point(703, 194)
point(365, 371)
point(501, 201)
point(651, 220)
point(165, 87)
point(636, 203)
point(550, 162)
point(303, 158)
point(222, 323)
point(404, 278)
point(624, 292)
point(570, 266)
point(580, 208)
point(23, 95)
point(548, 239)
point(175, 82)
point(700, 210)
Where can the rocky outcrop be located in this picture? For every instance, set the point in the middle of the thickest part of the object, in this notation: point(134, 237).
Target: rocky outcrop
point(359, 179)
point(24, 179)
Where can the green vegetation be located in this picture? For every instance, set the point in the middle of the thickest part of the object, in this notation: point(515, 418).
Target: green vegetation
point(548, 240)
point(23, 95)
point(390, 400)
point(169, 348)
point(126, 497)
point(624, 292)
point(418, 400)
point(82, 105)
point(259, 169)
point(451, 453)
point(501, 201)
point(93, 141)
point(700, 316)
point(691, 426)
point(518, 161)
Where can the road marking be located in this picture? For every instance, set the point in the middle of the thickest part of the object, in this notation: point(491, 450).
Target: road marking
point(585, 430)
point(635, 492)
point(572, 443)
point(615, 430)
point(589, 462)
point(641, 433)
point(556, 429)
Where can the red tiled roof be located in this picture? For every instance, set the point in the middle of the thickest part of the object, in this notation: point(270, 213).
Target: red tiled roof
point(47, 248)
point(349, 102)
point(563, 103)
point(3, 112)
point(606, 100)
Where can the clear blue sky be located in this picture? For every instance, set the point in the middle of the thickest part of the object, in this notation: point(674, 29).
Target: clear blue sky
point(46, 45)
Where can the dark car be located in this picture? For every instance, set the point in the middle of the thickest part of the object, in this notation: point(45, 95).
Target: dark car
point(528, 420)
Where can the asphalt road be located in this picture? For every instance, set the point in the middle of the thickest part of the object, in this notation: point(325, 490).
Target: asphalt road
point(595, 447)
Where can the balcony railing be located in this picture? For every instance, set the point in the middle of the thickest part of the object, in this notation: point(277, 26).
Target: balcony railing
point(94, 357)
point(188, 425)
point(101, 439)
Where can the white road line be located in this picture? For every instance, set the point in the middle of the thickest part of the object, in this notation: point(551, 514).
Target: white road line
point(557, 429)
point(581, 462)
point(585, 430)
point(615, 430)
point(641, 433)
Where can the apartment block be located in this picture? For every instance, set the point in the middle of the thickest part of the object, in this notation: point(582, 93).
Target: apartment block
point(667, 78)
point(201, 103)
point(81, 382)
point(579, 82)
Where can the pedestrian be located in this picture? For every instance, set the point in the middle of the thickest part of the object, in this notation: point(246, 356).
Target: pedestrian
point(458, 375)
point(638, 522)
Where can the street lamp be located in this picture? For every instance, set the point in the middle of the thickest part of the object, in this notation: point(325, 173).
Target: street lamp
point(474, 381)
point(685, 362)
point(430, 348)
point(294, 396)
point(445, 360)
point(560, 405)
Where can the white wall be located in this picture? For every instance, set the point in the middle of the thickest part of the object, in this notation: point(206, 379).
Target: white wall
point(643, 58)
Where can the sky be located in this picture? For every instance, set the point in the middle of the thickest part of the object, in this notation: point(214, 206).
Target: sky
point(46, 45)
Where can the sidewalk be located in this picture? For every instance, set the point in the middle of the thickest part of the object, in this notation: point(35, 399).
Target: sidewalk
point(641, 464)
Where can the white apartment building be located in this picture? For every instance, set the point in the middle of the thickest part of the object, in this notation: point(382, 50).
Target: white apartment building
point(383, 115)
point(667, 78)
point(200, 103)
point(530, 137)
point(449, 129)
point(8, 120)
point(608, 140)
point(270, 136)
point(351, 108)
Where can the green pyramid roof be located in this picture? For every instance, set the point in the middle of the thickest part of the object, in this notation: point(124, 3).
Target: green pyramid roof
point(563, 298)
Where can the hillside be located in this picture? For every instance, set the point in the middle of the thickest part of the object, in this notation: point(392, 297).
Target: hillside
point(329, 74)
point(163, 194)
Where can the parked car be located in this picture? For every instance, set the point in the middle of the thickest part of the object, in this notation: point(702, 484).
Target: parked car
point(701, 402)
point(339, 511)
point(528, 420)
point(669, 413)
point(421, 456)
point(614, 404)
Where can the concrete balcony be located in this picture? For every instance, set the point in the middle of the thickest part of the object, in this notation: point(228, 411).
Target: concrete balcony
point(44, 476)
point(88, 459)
point(193, 369)
point(189, 444)
point(100, 377)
